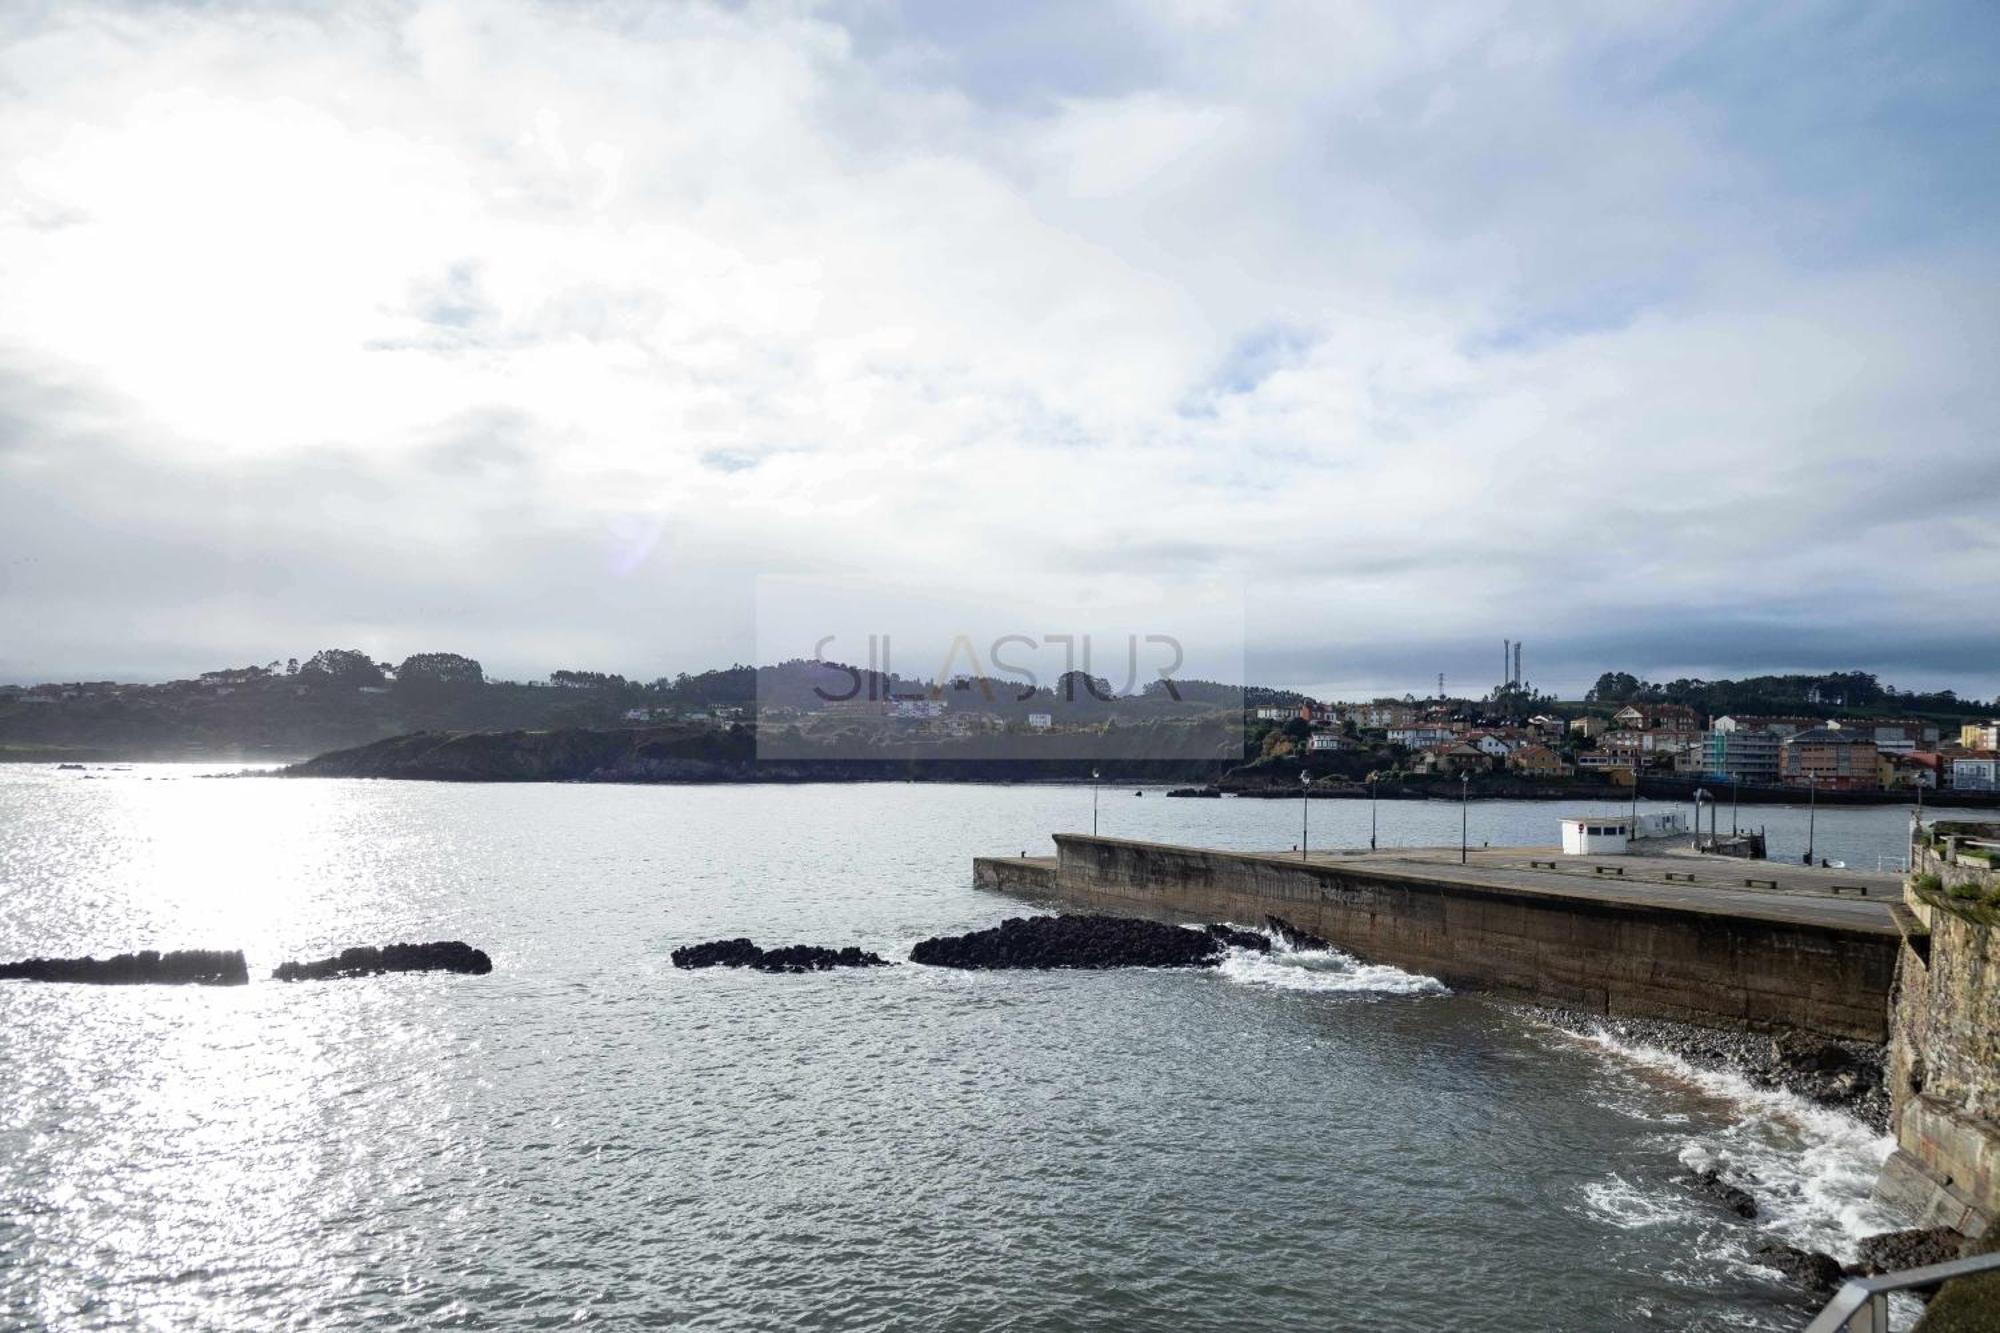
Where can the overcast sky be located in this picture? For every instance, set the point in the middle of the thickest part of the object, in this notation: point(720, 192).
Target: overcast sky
point(1662, 339)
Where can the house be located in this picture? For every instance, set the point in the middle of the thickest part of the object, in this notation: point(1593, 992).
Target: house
point(1979, 771)
point(1588, 727)
point(1548, 725)
point(1538, 761)
point(1422, 735)
point(1454, 757)
point(1980, 735)
point(1657, 717)
point(1900, 772)
point(1495, 746)
point(1276, 713)
point(911, 710)
point(1041, 721)
point(1381, 715)
point(1828, 757)
point(1329, 740)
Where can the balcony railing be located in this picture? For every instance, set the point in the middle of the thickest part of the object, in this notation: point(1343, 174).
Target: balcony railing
point(1862, 1306)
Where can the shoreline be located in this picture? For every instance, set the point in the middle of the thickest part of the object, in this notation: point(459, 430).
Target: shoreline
point(1838, 1075)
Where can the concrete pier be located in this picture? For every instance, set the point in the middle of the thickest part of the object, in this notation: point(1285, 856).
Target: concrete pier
point(1705, 940)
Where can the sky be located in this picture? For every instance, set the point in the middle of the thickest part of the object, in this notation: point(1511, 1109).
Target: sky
point(1661, 338)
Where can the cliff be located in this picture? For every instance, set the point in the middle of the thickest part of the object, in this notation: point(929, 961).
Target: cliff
point(1944, 1068)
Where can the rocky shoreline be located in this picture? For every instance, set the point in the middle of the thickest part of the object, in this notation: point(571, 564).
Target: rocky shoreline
point(1845, 1075)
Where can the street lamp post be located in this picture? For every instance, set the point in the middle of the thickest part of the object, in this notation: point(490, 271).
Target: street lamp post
point(1094, 776)
point(1700, 795)
point(1464, 796)
point(1812, 813)
point(1305, 787)
point(1735, 802)
point(1371, 812)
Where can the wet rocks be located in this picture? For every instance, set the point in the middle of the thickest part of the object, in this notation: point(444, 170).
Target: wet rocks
point(1240, 939)
point(1810, 1269)
point(1073, 941)
point(180, 967)
point(1294, 937)
point(1215, 792)
point(789, 958)
point(1710, 1185)
point(1847, 1075)
point(1919, 1247)
point(367, 961)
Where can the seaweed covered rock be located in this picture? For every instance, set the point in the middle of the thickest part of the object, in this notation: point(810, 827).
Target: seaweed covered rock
point(1810, 1269)
point(1241, 939)
point(1710, 1185)
point(149, 967)
point(367, 961)
point(789, 958)
point(1294, 937)
point(1073, 941)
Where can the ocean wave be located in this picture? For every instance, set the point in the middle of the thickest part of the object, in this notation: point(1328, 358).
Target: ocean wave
point(1286, 968)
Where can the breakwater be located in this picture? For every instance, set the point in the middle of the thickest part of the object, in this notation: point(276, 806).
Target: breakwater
point(1681, 938)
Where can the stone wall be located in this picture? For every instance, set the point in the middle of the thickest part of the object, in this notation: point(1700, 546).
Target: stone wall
point(1605, 955)
point(1944, 1054)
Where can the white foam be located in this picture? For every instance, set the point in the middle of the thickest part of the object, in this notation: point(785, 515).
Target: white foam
point(1286, 968)
point(1628, 1207)
point(1811, 1168)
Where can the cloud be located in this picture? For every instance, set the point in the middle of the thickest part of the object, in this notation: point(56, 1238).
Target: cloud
point(549, 328)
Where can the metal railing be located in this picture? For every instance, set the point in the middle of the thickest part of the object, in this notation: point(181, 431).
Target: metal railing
point(1862, 1306)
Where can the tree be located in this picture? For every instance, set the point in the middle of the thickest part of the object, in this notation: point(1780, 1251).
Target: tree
point(341, 666)
point(438, 672)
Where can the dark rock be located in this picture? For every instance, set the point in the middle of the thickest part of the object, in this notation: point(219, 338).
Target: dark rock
point(182, 967)
point(1894, 1251)
point(1296, 938)
point(367, 961)
point(1710, 1185)
point(1241, 939)
point(1196, 791)
point(1812, 1270)
point(717, 953)
point(790, 958)
point(1073, 941)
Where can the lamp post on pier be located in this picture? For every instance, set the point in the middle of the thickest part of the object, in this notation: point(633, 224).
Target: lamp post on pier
point(1095, 775)
point(1464, 797)
point(1305, 815)
point(1812, 813)
point(1371, 812)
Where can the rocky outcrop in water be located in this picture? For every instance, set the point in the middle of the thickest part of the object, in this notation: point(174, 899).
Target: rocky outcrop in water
point(1816, 1272)
point(1296, 938)
point(789, 958)
point(1710, 1185)
point(1079, 941)
point(441, 956)
point(1240, 939)
point(149, 967)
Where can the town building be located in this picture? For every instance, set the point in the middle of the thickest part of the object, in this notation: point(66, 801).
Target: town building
point(1588, 727)
point(1976, 772)
point(1657, 717)
point(1041, 721)
point(1980, 735)
point(1828, 757)
point(1329, 740)
point(1538, 761)
point(1422, 735)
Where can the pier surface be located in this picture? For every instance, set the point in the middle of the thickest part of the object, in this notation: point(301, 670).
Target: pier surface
point(1699, 938)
